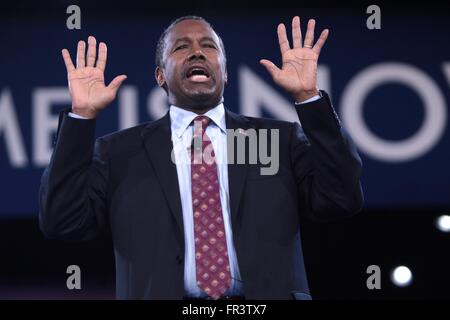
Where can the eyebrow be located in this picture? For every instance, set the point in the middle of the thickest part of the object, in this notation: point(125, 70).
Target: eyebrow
point(187, 39)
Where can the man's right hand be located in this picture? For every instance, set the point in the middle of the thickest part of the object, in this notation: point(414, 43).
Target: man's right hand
point(86, 81)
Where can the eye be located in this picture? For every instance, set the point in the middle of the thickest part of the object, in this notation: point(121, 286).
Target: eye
point(210, 45)
point(183, 46)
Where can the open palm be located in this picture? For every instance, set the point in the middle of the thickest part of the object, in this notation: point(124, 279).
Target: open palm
point(298, 73)
point(86, 82)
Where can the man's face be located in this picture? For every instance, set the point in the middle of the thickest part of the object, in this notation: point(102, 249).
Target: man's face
point(194, 71)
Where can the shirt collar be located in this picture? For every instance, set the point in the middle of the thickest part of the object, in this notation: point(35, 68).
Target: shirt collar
point(180, 118)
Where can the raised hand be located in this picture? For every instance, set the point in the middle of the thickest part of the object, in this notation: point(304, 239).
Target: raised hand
point(86, 81)
point(298, 73)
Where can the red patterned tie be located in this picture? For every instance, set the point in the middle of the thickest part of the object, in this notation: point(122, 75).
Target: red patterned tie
point(211, 256)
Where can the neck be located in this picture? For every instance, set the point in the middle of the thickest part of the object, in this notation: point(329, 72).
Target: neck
point(197, 110)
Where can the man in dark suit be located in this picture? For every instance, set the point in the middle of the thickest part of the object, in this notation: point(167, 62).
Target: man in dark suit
point(200, 229)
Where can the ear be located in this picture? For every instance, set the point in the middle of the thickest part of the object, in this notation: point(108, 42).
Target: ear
point(159, 76)
point(226, 76)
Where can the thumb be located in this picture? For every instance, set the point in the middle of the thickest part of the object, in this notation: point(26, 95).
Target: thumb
point(270, 67)
point(116, 82)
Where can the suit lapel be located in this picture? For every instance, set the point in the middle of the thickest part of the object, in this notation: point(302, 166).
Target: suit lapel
point(237, 173)
point(157, 138)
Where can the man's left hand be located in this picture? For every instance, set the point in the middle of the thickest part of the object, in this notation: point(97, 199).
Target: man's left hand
point(298, 74)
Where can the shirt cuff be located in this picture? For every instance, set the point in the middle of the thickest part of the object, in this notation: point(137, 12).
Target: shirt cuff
point(73, 115)
point(316, 97)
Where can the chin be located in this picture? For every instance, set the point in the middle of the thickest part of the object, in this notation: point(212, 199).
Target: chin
point(201, 95)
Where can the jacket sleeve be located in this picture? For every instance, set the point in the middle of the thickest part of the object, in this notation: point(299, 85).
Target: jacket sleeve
point(326, 163)
point(72, 195)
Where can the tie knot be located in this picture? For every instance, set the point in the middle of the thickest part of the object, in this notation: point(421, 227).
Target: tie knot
point(201, 123)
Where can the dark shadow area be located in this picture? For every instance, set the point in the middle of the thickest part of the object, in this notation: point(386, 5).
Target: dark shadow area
point(336, 254)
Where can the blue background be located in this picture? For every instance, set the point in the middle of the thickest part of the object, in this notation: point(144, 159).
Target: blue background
point(31, 59)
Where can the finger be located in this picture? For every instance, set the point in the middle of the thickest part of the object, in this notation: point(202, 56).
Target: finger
point(91, 52)
point(282, 38)
point(296, 32)
point(117, 82)
point(67, 60)
point(102, 55)
point(81, 63)
point(309, 37)
point(321, 41)
point(271, 67)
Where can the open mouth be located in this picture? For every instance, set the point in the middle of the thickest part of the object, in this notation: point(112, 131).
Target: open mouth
point(197, 74)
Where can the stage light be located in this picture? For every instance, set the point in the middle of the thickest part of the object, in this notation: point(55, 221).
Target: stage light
point(401, 276)
point(443, 223)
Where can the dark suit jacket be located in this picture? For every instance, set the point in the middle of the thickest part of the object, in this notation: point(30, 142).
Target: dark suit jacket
point(127, 182)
